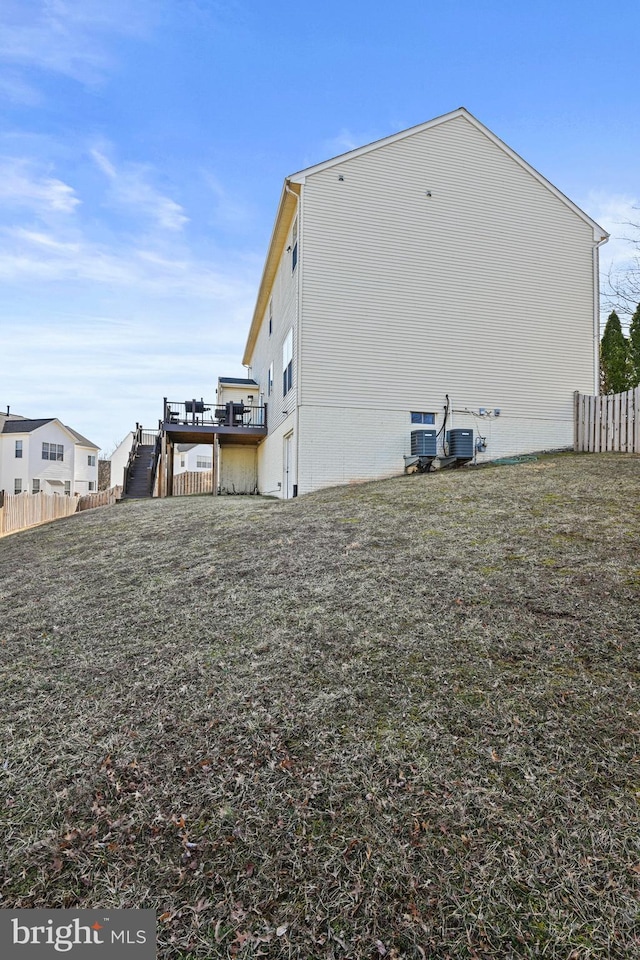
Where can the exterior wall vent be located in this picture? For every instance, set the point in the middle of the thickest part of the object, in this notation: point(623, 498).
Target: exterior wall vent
point(460, 443)
point(423, 443)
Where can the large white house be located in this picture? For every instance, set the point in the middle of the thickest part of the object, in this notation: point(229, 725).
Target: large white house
point(45, 456)
point(427, 294)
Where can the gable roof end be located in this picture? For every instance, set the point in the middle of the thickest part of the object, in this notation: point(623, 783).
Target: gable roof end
point(599, 233)
point(292, 188)
point(24, 426)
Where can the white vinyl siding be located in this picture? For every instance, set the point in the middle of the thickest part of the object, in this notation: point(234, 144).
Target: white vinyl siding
point(408, 297)
point(287, 363)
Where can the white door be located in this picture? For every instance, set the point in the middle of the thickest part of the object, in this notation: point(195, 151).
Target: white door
point(287, 486)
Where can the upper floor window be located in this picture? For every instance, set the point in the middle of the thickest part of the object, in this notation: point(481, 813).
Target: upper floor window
point(52, 451)
point(270, 317)
point(417, 417)
point(91, 459)
point(294, 246)
point(270, 380)
point(19, 449)
point(203, 463)
point(287, 363)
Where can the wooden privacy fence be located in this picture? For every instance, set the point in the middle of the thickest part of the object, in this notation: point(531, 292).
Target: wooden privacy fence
point(104, 498)
point(22, 510)
point(608, 424)
point(193, 481)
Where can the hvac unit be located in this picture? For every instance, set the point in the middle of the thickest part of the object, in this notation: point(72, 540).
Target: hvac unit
point(423, 443)
point(460, 443)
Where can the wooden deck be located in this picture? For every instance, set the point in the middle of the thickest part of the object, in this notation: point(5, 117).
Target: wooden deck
point(196, 421)
point(206, 433)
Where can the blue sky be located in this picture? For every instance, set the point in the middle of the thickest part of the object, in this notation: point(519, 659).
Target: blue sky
point(143, 145)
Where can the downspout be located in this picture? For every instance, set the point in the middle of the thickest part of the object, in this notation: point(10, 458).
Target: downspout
point(298, 325)
point(596, 313)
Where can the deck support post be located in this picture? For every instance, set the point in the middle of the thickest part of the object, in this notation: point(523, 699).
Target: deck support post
point(170, 468)
point(162, 482)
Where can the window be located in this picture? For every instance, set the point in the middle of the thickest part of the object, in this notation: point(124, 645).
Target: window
point(423, 418)
point(294, 245)
point(203, 464)
point(287, 363)
point(91, 460)
point(19, 449)
point(270, 380)
point(17, 485)
point(270, 317)
point(67, 488)
point(182, 463)
point(35, 486)
point(92, 486)
point(52, 451)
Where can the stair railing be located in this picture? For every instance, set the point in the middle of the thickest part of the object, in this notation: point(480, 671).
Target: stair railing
point(154, 463)
point(137, 440)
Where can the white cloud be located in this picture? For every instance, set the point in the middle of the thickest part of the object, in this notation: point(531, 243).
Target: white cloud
point(617, 213)
point(131, 190)
point(16, 90)
point(227, 208)
point(68, 36)
point(343, 142)
point(21, 185)
point(35, 254)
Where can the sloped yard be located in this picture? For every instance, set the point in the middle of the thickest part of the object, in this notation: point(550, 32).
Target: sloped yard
point(397, 719)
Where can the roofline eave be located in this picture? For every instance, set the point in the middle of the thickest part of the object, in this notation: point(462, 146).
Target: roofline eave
point(286, 211)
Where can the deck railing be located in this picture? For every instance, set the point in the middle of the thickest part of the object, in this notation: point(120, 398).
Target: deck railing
point(200, 413)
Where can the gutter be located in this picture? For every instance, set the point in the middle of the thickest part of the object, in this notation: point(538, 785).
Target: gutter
point(596, 312)
point(298, 197)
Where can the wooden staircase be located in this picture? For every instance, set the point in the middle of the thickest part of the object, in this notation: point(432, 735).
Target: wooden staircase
point(139, 475)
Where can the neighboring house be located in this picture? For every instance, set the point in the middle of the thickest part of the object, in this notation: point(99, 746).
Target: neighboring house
point(192, 458)
point(119, 460)
point(431, 270)
point(45, 456)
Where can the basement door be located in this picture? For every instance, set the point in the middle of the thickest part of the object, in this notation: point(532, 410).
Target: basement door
point(288, 478)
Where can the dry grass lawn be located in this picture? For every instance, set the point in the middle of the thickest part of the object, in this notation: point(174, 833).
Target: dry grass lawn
point(391, 720)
